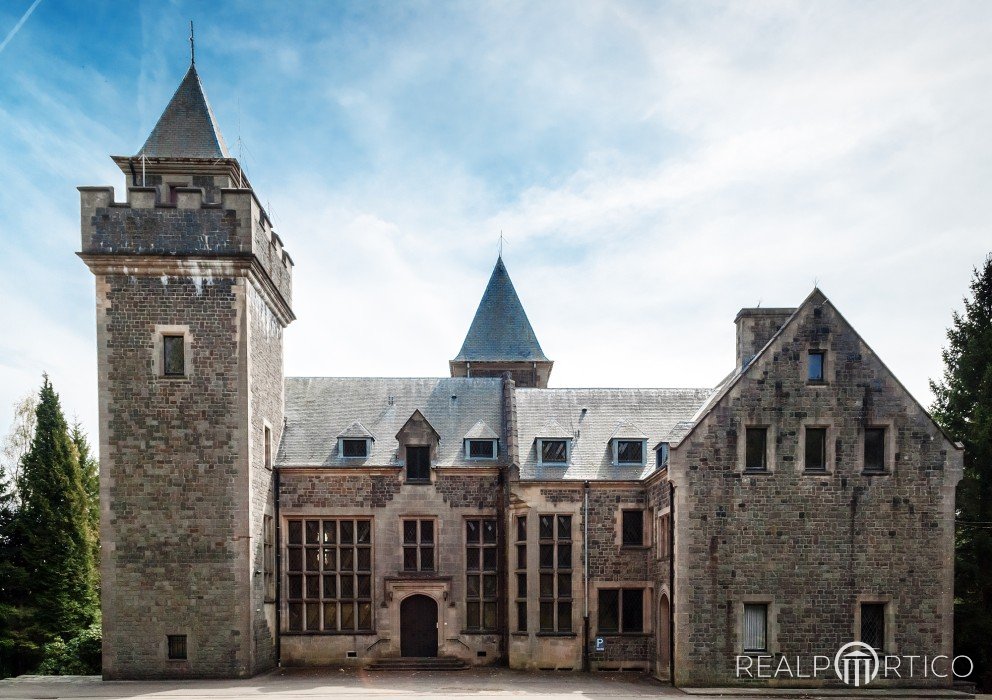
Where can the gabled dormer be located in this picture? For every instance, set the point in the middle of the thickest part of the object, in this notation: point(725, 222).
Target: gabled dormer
point(554, 445)
point(628, 445)
point(481, 442)
point(355, 442)
point(418, 443)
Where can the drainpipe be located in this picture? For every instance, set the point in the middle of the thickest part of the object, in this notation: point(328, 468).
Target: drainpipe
point(278, 573)
point(585, 576)
point(671, 583)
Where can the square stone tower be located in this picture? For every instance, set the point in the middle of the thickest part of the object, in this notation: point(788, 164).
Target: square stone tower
point(193, 292)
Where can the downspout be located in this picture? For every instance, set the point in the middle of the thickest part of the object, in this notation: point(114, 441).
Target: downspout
point(503, 604)
point(585, 576)
point(278, 574)
point(671, 583)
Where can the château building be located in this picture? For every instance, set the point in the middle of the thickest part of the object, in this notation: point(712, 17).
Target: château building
point(250, 519)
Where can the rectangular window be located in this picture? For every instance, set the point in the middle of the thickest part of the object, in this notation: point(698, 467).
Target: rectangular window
point(630, 452)
point(632, 527)
point(816, 449)
point(418, 463)
point(173, 355)
point(355, 448)
point(267, 447)
point(874, 449)
point(177, 646)
point(814, 367)
point(329, 575)
point(554, 451)
point(873, 625)
point(661, 455)
point(755, 459)
point(481, 567)
point(269, 557)
point(621, 610)
point(664, 540)
point(755, 627)
point(521, 616)
point(482, 449)
point(521, 573)
point(555, 576)
point(418, 545)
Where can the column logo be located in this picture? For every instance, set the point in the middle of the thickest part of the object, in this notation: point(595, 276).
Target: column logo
point(856, 663)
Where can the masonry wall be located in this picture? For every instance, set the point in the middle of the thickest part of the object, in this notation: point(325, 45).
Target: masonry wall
point(812, 547)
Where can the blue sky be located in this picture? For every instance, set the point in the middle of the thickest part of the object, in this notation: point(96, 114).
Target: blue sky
point(653, 166)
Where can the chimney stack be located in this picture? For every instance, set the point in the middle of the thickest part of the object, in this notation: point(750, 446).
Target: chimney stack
point(755, 327)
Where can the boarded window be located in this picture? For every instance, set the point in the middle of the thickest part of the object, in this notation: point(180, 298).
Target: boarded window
point(755, 458)
point(875, 449)
point(755, 627)
point(329, 575)
point(482, 449)
point(177, 646)
point(632, 525)
point(269, 557)
point(481, 574)
point(630, 452)
point(418, 545)
point(173, 355)
point(873, 625)
point(554, 451)
point(621, 610)
point(418, 463)
point(816, 449)
point(555, 576)
point(355, 448)
point(814, 367)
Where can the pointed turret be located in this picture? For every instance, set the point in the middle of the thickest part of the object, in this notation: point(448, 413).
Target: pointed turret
point(501, 339)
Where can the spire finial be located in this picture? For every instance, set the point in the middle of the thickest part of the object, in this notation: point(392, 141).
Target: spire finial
point(192, 45)
point(502, 240)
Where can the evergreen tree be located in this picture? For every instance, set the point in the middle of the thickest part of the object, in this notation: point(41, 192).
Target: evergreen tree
point(55, 519)
point(963, 406)
point(90, 467)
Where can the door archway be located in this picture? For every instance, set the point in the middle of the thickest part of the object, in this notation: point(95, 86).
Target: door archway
point(664, 636)
point(418, 626)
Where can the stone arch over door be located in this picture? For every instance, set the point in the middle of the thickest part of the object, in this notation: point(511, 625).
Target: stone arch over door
point(418, 626)
point(664, 638)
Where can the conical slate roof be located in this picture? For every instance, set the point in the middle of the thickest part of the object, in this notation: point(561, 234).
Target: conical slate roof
point(187, 128)
point(500, 331)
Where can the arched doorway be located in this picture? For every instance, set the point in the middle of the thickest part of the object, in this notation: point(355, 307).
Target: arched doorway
point(418, 626)
point(663, 667)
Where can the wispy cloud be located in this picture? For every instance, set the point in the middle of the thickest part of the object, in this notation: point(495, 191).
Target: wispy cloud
point(20, 23)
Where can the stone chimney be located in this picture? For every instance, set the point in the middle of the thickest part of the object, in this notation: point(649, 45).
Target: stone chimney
point(755, 327)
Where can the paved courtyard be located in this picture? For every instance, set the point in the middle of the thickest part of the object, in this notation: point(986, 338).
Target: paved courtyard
point(330, 683)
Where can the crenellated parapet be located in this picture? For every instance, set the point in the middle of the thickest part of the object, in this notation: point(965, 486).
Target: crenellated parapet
point(189, 233)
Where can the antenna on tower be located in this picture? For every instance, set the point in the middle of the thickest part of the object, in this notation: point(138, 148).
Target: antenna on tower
point(502, 240)
point(192, 45)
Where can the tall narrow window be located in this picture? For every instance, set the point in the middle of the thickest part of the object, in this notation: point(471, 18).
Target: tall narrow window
point(621, 610)
point(177, 647)
point(664, 537)
point(873, 625)
point(481, 567)
point(269, 557)
point(173, 355)
point(521, 573)
point(329, 575)
point(816, 449)
point(418, 545)
point(632, 527)
point(874, 449)
point(755, 448)
point(555, 576)
point(814, 366)
point(755, 627)
point(661, 455)
point(418, 463)
point(267, 447)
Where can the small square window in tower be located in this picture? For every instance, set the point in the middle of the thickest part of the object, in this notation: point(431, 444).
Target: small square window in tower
point(756, 440)
point(815, 366)
point(418, 463)
point(173, 355)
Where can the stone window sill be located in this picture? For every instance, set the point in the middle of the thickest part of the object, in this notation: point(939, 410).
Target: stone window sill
point(557, 634)
point(323, 633)
point(479, 632)
point(623, 634)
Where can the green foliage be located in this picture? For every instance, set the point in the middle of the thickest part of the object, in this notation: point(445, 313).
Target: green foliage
point(80, 656)
point(963, 406)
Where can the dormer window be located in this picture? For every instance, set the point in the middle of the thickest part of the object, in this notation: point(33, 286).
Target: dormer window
point(629, 444)
point(553, 451)
point(661, 455)
point(354, 448)
point(629, 451)
point(480, 449)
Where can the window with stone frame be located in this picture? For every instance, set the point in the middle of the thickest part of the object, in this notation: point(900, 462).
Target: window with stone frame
point(418, 545)
point(521, 525)
point(632, 528)
point(418, 463)
point(269, 557)
point(481, 566)
point(874, 450)
point(873, 625)
point(621, 611)
point(755, 449)
point(815, 365)
point(815, 452)
point(555, 575)
point(664, 536)
point(267, 446)
point(177, 650)
point(173, 355)
point(329, 574)
point(755, 628)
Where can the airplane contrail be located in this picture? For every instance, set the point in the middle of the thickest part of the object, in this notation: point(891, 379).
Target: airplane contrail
point(20, 23)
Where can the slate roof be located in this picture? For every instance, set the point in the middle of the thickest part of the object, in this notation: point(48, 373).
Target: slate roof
point(481, 431)
point(318, 409)
point(356, 430)
point(500, 330)
point(656, 413)
point(187, 128)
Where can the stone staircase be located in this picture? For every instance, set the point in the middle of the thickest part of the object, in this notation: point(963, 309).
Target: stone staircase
point(439, 663)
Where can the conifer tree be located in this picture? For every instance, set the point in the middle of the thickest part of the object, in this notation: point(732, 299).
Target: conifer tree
point(963, 406)
point(58, 548)
point(91, 485)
